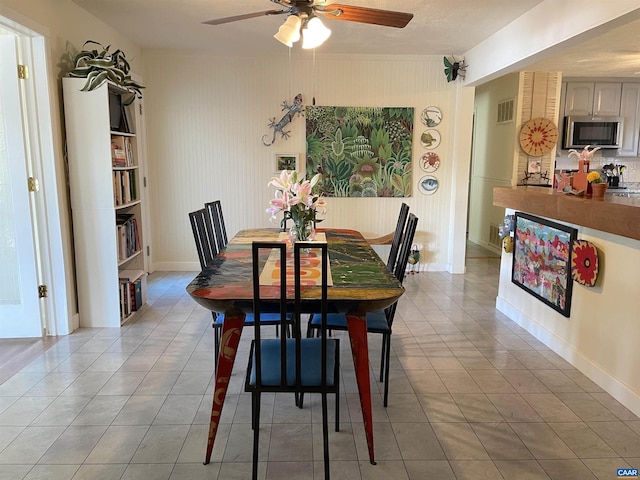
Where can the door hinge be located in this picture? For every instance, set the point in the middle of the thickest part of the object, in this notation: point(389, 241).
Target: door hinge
point(148, 251)
point(23, 72)
point(43, 291)
point(144, 181)
point(140, 108)
point(32, 184)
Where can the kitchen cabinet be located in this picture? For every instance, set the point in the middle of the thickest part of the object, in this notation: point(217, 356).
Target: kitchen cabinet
point(593, 98)
point(630, 111)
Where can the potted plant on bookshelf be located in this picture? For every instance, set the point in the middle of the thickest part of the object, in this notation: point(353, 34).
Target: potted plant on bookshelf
point(100, 65)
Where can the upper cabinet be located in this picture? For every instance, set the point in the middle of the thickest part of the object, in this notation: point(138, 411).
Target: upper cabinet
point(630, 111)
point(593, 99)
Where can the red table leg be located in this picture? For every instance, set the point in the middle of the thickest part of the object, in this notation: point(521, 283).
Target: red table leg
point(357, 326)
point(229, 339)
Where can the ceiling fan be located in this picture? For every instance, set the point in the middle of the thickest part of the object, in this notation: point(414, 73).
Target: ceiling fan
point(303, 17)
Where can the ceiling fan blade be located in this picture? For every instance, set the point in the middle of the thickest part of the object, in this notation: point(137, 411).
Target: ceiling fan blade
point(235, 18)
point(373, 16)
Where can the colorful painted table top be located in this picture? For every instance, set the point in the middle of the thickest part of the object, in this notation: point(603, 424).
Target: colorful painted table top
point(361, 280)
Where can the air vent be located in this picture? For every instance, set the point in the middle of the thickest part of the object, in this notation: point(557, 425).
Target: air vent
point(494, 236)
point(505, 111)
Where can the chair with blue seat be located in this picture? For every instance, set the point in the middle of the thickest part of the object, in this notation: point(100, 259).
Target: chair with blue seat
point(380, 321)
point(295, 365)
point(204, 234)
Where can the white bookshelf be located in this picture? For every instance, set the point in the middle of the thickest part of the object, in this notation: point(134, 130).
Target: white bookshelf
point(107, 203)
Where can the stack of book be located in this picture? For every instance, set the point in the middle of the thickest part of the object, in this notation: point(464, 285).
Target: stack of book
point(130, 291)
point(128, 235)
point(124, 187)
point(121, 152)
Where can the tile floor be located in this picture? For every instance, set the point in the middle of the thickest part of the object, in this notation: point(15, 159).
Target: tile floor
point(472, 396)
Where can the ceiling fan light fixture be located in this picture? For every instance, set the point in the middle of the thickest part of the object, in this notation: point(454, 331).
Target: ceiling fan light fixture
point(289, 31)
point(314, 33)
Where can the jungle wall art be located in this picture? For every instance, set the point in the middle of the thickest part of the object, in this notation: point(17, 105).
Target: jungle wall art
point(360, 151)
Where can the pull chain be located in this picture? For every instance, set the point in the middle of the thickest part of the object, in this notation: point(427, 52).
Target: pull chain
point(314, 78)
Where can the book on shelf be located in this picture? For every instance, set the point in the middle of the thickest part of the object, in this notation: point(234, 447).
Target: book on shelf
point(118, 152)
point(128, 235)
point(124, 187)
point(130, 297)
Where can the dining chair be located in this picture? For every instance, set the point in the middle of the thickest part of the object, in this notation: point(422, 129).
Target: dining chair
point(394, 238)
point(380, 321)
point(397, 237)
point(203, 235)
point(296, 365)
point(207, 248)
point(217, 219)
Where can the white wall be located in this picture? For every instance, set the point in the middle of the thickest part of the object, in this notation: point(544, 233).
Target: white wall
point(600, 338)
point(493, 152)
point(206, 116)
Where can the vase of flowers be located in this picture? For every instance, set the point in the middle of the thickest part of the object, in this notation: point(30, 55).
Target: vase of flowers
point(597, 185)
point(299, 201)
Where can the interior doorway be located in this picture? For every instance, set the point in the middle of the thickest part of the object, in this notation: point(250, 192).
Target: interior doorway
point(30, 228)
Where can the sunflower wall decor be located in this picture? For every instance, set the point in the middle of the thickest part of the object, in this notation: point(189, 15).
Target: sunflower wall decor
point(584, 263)
point(538, 136)
point(361, 151)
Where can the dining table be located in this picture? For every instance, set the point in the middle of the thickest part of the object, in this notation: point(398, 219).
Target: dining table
point(360, 283)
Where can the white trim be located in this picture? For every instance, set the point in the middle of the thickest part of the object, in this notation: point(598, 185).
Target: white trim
point(609, 383)
point(38, 104)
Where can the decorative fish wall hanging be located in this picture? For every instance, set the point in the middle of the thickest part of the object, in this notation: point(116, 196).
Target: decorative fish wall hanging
point(292, 110)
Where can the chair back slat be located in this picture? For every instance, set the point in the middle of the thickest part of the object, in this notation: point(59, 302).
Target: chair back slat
point(403, 257)
point(397, 237)
point(203, 236)
point(280, 247)
point(298, 249)
point(405, 250)
point(215, 212)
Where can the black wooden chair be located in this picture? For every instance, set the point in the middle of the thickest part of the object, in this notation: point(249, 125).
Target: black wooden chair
point(217, 219)
point(394, 238)
point(397, 237)
point(380, 321)
point(296, 365)
point(204, 237)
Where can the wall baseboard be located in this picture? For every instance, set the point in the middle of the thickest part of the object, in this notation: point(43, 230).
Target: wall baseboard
point(603, 379)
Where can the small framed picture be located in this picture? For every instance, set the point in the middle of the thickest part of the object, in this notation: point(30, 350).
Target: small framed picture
point(286, 161)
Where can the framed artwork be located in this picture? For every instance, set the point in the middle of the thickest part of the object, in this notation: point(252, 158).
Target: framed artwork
point(286, 161)
point(542, 260)
point(361, 151)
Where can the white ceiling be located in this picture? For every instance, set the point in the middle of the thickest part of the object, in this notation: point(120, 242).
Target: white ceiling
point(438, 27)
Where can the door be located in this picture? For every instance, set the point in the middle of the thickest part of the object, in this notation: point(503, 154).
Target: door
point(19, 303)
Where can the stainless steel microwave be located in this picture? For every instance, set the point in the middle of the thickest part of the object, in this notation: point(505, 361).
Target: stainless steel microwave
point(604, 132)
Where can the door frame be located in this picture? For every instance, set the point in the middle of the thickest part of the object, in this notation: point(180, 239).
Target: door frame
point(37, 97)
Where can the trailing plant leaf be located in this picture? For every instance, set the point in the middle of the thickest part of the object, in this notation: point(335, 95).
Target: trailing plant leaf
point(100, 66)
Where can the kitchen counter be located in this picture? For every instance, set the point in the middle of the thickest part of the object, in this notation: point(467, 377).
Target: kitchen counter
point(613, 214)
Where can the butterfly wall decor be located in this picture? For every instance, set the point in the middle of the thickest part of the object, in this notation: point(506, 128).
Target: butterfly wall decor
point(454, 69)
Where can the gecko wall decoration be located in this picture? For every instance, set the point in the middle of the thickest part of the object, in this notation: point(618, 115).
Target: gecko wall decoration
point(292, 110)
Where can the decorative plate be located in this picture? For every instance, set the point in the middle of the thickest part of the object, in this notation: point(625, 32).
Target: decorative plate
point(584, 263)
point(428, 184)
point(429, 162)
point(538, 136)
point(431, 116)
point(430, 139)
